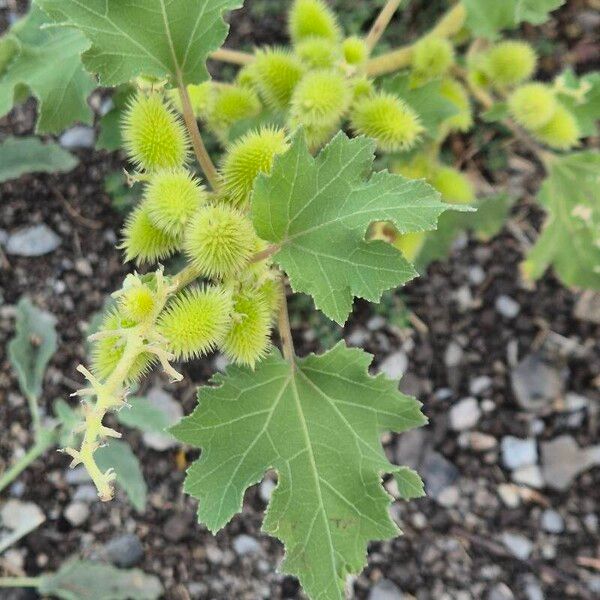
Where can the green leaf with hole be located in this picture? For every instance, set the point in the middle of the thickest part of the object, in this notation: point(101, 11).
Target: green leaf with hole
point(154, 38)
point(318, 423)
point(46, 63)
point(86, 580)
point(30, 155)
point(119, 456)
point(570, 239)
point(319, 210)
point(33, 346)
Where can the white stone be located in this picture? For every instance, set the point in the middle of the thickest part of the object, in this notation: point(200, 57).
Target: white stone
point(517, 452)
point(394, 366)
point(465, 414)
point(77, 513)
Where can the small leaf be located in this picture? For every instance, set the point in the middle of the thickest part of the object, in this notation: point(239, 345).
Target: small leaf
point(30, 155)
point(486, 18)
point(318, 424)
point(69, 420)
point(48, 64)
point(498, 112)
point(426, 100)
point(119, 456)
point(319, 210)
point(32, 347)
point(144, 415)
point(582, 98)
point(410, 485)
point(86, 580)
point(155, 38)
point(570, 239)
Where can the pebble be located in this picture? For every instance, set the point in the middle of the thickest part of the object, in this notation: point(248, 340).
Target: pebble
point(530, 475)
point(438, 473)
point(3, 237)
point(476, 275)
point(376, 323)
point(552, 522)
point(77, 513)
point(221, 362)
point(448, 497)
point(385, 590)
point(500, 592)
point(533, 589)
point(517, 452)
point(482, 442)
point(519, 545)
point(465, 414)
point(480, 385)
point(394, 366)
point(77, 476)
point(177, 527)
point(124, 551)
point(507, 306)
point(36, 240)
point(588, 307)
point(563, 460)
point(245, 545)
point(536, 384)
point(509, 494)
point(85, 493)
point(453, 355)
point(164, 402)
point(266, 490)
point(79, 136)
point(358, 337)
point(17, 515)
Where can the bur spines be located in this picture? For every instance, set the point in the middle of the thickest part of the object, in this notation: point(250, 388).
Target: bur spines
point(153, 136)
point(562, 131)
point(355, 50)
point(317, 53)
point(432, 57)
point(510, 62)
point(453, 185)
point(277, 73)
point(312, 18)
point(533, 105)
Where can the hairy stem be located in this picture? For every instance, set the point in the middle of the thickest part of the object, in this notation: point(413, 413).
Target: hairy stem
point(381, 23)
point(234, 57)
point(285, 331)
point(17, 582)
point(45, 439)
point(450, 24)
point(206, 163)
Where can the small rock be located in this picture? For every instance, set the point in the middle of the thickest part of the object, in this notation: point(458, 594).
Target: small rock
point(563, 460)
point(588, 307)
point(79, 136)
point(19, 515)
point(552, 522)
point(3, 237)
point(453, 355)
point(465, 414)
point(517, 452)
point(479, 385)
point(124, 551)
point(214, 554)
point(530, 475)
point(77, 476)
point(518, 545)
point(482, 442)
point(507, 307)
point(385, 590)
point(448, 497)
point(476, 275)
point(266, 490)
point(177, 527)
point(533, 589)
point(221, 362)
point(438, 473)
point(500, 592)
point(376, 323)
point(509, 494)
point(536, 384)
point(77, 513)
point(17, 489)
point(85, 493)
point(245, 544)
point(394, 366)
point(164, 402)
point(574, 402)
point(36, 240)
point(83, 267)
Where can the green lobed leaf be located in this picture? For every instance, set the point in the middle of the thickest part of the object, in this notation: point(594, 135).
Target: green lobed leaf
point(119, 456)
point(47, 65)
point(33, 346)
point(30, 155)
point(570, 239)
point(425, 100)
point(86, 580)
point(318, 423)
point(582, 97)
point(486, 18)
point(319, 210)
point(154, 38)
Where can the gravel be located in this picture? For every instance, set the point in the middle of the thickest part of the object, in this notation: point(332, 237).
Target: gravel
point(246, 544)
point(394, 366)
point(465, 414)
point(518, 545)
point(385, 590)
point(36, 240)
point(77, 513)
point(552, 522)
point(124, 551)
point(518, 452)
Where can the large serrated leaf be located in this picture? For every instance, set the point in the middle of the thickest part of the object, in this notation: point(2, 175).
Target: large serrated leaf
point(32, 347)
point(318, 424)
point(47, 63)
point(487, 18)
point(86, 580)
point(319, 210)
point(154, 38)
point(29, 155)
point(582, 97)
point(570, 240)
point(118, 455)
